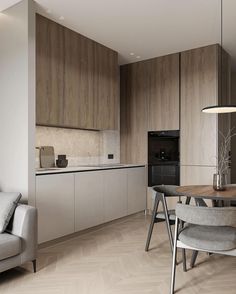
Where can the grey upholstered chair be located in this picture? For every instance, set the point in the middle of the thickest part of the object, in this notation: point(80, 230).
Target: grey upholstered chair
point(161, 193)
point(207, 229)
point(18, 244)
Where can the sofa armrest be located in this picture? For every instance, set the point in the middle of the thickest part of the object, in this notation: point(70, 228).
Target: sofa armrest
point(24, 225)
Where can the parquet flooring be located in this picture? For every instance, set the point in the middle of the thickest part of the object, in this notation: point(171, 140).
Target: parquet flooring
point(112, 260)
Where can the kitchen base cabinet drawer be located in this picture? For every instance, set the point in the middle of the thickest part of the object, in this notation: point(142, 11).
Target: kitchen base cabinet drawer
point(137, 189)
point(88, 200)
point(55, 204)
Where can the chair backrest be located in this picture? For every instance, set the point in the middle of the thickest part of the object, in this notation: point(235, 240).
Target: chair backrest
point(206, 216)
point(167, 190)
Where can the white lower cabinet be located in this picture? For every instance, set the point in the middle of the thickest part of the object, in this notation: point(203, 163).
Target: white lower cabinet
point(88, 199)
point(55, 204)
point(73, 202)
point(115, 193)
point(137, 189)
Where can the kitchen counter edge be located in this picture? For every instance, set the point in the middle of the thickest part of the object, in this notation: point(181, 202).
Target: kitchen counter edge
point(82, 169)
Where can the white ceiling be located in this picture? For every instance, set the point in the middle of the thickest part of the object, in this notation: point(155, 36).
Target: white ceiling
point(148, 28)
point(4, 4)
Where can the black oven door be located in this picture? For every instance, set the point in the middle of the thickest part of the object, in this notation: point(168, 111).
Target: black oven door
point(166, 174)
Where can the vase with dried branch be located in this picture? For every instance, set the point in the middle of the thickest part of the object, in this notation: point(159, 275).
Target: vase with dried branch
point(223, 160)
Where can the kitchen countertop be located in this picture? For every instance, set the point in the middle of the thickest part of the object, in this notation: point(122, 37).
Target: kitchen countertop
point(83, 168)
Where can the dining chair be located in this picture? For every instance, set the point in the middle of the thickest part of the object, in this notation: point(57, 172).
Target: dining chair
point(208, 229)
point(161, 193)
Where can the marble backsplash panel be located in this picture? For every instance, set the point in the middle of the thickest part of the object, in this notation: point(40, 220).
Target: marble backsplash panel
point(80, 146)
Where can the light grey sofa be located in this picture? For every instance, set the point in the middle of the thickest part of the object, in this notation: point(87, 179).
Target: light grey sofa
point(18, 244)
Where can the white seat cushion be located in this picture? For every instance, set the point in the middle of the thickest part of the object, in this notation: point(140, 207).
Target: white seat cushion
point(10, 245)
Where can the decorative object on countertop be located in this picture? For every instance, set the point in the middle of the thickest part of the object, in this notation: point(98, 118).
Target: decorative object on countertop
point(62, 161)
point(223, 160)
point(46, 156)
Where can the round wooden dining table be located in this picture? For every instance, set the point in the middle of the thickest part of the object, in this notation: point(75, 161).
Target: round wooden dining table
point(207, 192)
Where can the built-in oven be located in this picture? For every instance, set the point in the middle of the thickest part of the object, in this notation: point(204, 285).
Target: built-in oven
point(163, 158)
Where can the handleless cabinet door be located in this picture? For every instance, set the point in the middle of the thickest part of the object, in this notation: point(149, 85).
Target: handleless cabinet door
point(114, 193)
point(55, 204)
point(106, 88)
point(137, 189)
point(49, 72)
point(134, 88)
point(163, 98)
point(88, 199)
point(199, 88)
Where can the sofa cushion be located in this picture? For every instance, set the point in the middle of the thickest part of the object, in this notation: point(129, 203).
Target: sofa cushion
point(10, 245)
point(8, 203)
point(209, 237)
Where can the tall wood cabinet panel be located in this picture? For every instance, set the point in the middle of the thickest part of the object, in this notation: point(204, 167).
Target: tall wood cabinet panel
point(133, 109)
point(78, 94)
point(77, 79)
point(106, 89)
point(149, 96)
point(197, 175)
point(163, 98)
point(199, 88)
point(49, 72)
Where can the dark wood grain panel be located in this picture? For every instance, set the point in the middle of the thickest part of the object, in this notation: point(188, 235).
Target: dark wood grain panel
point(49, 72)
point(77, 79)
point(134, 90)
point(163, 98)
point(199, 88)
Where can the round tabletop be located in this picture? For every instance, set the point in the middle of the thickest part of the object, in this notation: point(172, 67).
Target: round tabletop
point(207, 192)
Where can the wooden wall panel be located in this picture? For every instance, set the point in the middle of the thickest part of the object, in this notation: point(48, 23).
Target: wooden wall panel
point(163, 99)
point(49, 72)
point(199, 88)
point(77, 79)
point(133, 124)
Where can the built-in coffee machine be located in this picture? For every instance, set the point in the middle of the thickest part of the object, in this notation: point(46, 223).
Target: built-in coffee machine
point(163, 158)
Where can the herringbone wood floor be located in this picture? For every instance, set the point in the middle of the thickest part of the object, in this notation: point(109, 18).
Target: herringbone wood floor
point(111, 260)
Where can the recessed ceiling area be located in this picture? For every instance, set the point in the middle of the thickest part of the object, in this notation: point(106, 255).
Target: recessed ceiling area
point(148, 28)
point(4, 4)
point(141, 29)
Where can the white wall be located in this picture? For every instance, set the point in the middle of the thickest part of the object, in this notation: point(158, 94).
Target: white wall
point(17, 99)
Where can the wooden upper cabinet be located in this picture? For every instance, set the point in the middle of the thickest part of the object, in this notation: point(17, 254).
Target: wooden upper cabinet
point(163, 98)
point(49, 72)
point(77, 79)
point(78, 94)
point(133, 122)
point(199, 88)
point(106, 88)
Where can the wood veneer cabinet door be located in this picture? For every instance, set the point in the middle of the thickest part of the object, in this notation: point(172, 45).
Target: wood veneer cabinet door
point(49, 72)
point(163, 98)
point(79, 81)
point(199, 88)
point(134, 90)
point(106, 88)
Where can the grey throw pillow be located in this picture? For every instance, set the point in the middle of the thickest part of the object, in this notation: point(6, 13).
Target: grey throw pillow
point(8, 203)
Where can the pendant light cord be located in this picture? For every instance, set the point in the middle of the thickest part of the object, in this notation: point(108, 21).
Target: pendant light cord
point(221, 49)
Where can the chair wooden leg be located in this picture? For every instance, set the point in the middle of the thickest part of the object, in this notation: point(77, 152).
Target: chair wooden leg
point(184, 259)
point(193, 258)
point(154, 213)
point(173, 270)
point(34, 265)
point(167, 222)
